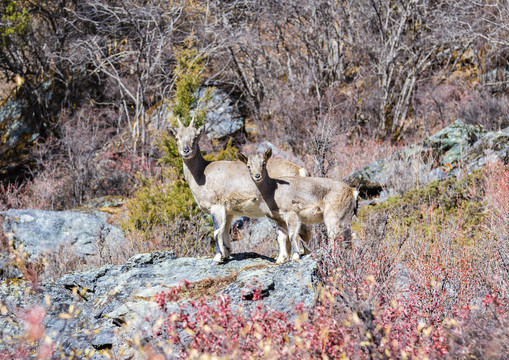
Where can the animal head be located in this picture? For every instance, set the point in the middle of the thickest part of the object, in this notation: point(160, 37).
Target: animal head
point(257, 164)
point(187, 138)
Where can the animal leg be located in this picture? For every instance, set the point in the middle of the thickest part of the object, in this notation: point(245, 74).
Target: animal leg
point(226, 236)
point(305, 237)
point(294, 225)
point(284, 243)
point(219, 217)
point(347, 236)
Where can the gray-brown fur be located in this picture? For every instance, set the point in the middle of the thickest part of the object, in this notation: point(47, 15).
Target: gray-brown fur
point(304, 200)
point(224, 188)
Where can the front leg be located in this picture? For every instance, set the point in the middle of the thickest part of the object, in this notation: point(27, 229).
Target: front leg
point(220, 221)
point(283, 240)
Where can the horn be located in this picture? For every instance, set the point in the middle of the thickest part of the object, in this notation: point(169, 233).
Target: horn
point(191, 124)
point(179, 122)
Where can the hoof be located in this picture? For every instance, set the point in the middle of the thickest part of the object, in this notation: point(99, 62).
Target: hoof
point(295, 257)
point(218, 258)
point(281, 259)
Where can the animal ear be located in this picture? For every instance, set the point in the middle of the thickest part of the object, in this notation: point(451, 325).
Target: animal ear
point(268, 154)
point(242, 157)
point(172, 131)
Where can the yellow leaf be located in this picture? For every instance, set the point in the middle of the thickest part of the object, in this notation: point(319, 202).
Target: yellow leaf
point(19, 80)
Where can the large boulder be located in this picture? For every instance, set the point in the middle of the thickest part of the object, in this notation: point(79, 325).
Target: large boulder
point(458, 147)
point(41, 231)
point(223, 117)
point(105, 308)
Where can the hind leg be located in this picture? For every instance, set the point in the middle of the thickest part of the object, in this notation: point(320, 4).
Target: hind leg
point(294, 225)
point(305, 237)
point(347, 236)
point(226, 236)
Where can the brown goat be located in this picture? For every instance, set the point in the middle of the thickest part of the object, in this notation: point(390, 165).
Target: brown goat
point(303, 200)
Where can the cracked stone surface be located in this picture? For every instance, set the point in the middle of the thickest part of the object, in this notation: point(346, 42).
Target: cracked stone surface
point(98, 302)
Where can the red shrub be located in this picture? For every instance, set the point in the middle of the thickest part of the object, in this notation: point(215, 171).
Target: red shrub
point(374, 301)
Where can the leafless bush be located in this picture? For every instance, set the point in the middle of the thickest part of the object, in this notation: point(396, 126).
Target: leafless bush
point(498, 219)
point(65, 162)
point(486, 109)
point(130, 50)
point(322, 144)
point(295, 54)
point(72, 166)
point(404, 173)
point(352, 153)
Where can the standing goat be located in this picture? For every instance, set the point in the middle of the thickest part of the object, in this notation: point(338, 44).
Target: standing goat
point(304, 200)
point(224, 189)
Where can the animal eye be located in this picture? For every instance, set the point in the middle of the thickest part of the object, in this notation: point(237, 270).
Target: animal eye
point(264, 163)
point(249, 167)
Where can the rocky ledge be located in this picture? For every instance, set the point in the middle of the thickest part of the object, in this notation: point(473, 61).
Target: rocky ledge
point(105, 308)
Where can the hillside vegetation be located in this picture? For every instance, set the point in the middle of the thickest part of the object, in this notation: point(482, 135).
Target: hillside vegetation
point(88, 89)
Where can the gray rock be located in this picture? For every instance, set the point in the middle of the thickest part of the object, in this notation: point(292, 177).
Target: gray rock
point(223, 117)
point(260, 230)
point(457, 146)
point(492, 146)
point(47, 231)
point(7, 271)
point(113, 303)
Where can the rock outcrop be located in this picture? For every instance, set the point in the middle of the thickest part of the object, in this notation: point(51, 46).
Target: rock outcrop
point(223, 117)
point(458, 147)
point(41, 231)
point(104, 308)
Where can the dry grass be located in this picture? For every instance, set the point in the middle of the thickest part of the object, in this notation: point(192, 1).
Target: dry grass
point(210, 287)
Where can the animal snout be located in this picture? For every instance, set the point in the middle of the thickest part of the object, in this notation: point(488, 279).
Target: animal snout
point(257, 176)
point(186, 150)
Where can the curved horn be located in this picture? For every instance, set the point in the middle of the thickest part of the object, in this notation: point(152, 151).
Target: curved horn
point(191, 124)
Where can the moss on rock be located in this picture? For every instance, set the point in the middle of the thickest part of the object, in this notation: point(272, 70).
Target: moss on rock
point(428, 209)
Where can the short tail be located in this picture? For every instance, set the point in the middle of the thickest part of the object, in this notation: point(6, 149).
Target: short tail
point(303, 172)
